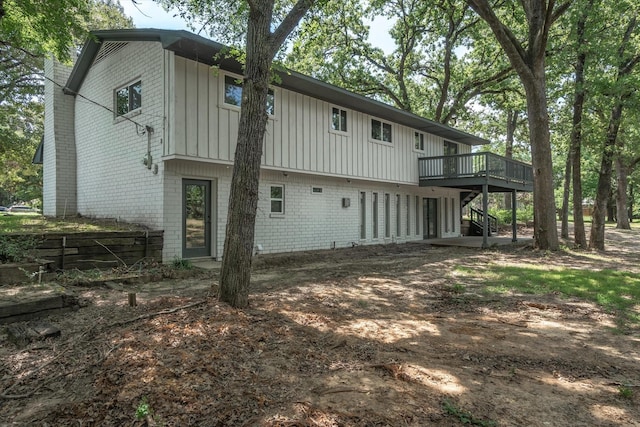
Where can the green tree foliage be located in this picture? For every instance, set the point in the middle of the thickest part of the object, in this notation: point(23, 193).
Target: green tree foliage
point(441, 60)
point(29, 30)
point(51, 26)
point(612, 82)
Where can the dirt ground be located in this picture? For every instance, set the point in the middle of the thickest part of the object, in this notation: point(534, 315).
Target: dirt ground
point(370, 336)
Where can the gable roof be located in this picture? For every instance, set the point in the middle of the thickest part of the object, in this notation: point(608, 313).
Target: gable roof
point(198, 48)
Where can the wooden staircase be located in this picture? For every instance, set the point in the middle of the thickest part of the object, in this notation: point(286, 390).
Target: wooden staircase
point(467, 196)
point(477, 223)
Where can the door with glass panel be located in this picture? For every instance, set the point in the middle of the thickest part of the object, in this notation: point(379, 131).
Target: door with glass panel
point(430, 217)
point(196, 218)
point(450, 163)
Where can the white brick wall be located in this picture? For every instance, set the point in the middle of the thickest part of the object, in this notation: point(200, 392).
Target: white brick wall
point(59, 155)
point(311, 221)
point(112, 181)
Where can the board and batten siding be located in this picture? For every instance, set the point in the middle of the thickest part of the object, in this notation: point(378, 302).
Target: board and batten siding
point(298, 137)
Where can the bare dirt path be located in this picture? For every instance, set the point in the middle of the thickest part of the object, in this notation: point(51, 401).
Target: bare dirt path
point(370, 336)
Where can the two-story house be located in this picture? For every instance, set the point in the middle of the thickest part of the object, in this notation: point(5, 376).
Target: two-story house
point(143, 128)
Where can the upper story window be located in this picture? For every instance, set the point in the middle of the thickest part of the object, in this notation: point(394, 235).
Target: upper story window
point(233, 94)
point(128, 98)
point(277, 199)
point(338, 119)
point(418, 141)
point(380, 131)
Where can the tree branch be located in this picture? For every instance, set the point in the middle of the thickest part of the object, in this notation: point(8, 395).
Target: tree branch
point(289, 23)
point(504, 35)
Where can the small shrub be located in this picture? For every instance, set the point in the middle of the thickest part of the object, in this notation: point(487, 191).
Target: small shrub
point(143, 410)
point(625, 392)
point(505, 216)
point(17, 248)
point(182, 264)
point(465, 417)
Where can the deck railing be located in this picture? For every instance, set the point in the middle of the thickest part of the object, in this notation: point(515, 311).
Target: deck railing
point(487, 165)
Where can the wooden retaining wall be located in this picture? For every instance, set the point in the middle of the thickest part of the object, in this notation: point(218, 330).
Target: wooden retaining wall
point(86, 251)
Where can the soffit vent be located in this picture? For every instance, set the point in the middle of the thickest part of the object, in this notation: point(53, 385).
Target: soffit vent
point(108, 49)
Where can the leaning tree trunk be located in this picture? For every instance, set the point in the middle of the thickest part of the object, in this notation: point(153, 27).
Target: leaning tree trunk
point(243, 200)
point(261, 48)
point(622, 215)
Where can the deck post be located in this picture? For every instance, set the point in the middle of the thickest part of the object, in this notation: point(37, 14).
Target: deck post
point(485, 216)
point(514, 225)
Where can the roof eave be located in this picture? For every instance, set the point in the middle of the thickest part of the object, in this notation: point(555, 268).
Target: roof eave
point(198, 48)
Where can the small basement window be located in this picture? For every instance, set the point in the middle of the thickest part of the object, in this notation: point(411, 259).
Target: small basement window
point(316, 190)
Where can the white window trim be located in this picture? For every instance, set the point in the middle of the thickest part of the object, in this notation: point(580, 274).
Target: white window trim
point(277, 214)
point(375, 215)
point(362, 214)
point(380, 141)
point(118, 118)
point(223, 104)
point(423, 142)
point(335, 131)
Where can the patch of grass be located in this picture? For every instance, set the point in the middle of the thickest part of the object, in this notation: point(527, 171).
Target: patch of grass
point(14, 249)
point(362, 303)
point(36, 223)
point(143, 410)
point(465, 417)
point(613, 290)
point(458, 288)
point(182, 264)
point(625, 392)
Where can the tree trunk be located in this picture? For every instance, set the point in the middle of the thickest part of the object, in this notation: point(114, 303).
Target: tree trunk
point(512, 121)
point(235, 274)
point(622, 215)
point(575, 149)
point(579, 233)
point(631, 200)
point(262, 46)
point(544, 206)
point(566, 192)
point(528, 59)
point(603, 189)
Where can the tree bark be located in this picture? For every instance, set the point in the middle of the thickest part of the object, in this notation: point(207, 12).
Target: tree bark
point(566, 192)
point(235, 274)
point(528, 59)
point(261, 47)
point(622, 215)
point(575, 148)
point(603, 189)
point(544, 205)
